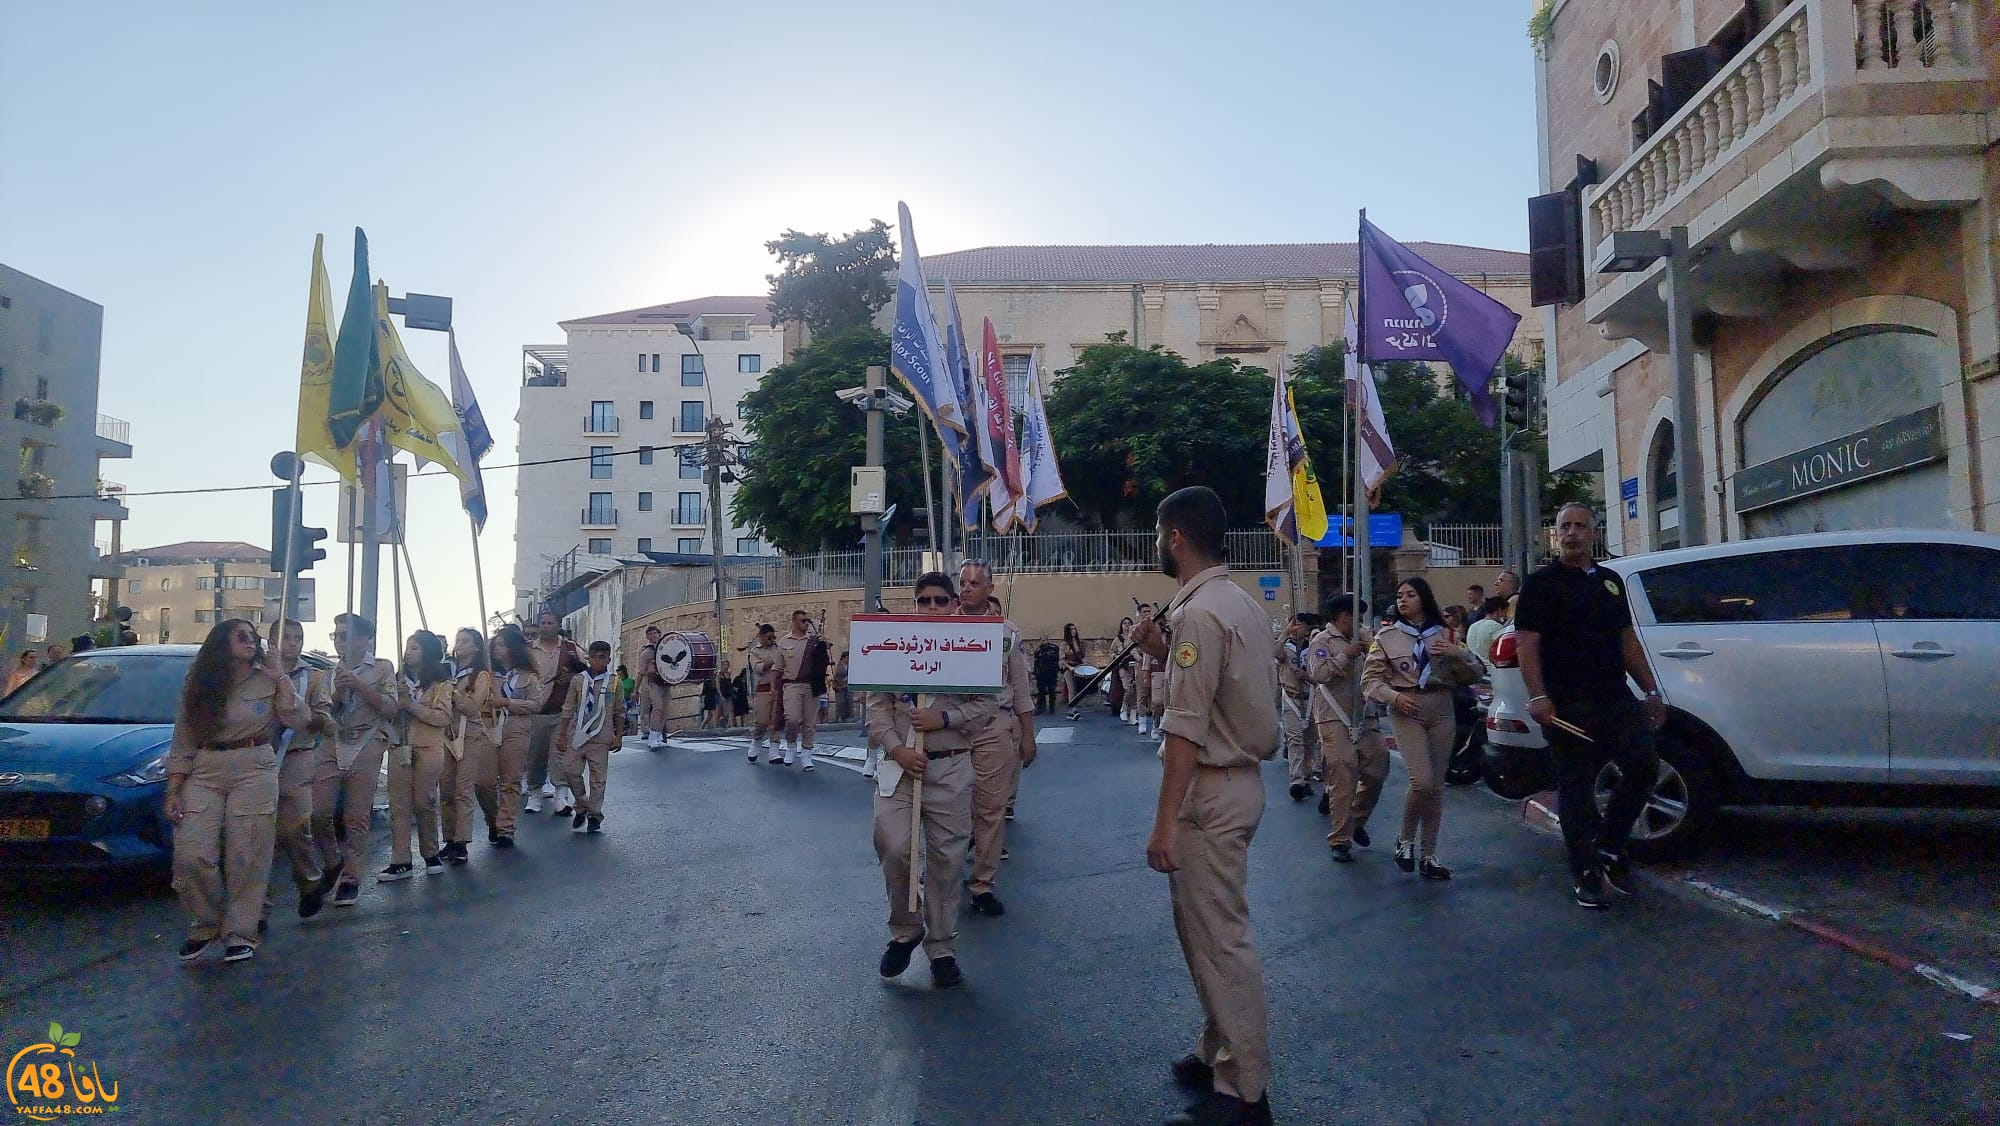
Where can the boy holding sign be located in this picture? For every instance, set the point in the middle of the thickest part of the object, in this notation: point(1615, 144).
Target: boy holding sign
point(933, 680)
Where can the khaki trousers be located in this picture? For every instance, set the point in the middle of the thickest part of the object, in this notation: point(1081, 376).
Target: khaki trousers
point(996, 770)
point(414, 773)
point(513, 752)
point(947, 818)
point(1425, 741)
point(544, 759)
point(1212, 918)
point(222, 846)
point(652, 706)
point(1354, 776)
point(1301, 741)
point(455, 791)
point(597, 756)
point(354, 786)
point(801, 713)
point(479, 783)
point(761, 702)
point(294, 826)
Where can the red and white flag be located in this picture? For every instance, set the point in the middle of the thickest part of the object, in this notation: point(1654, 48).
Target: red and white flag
point(996, 437)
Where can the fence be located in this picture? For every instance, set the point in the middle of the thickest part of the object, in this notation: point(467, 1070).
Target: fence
point(1463, 545)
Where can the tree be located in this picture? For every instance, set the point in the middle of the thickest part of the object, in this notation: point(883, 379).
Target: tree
point(1134, 424)
point(828, 284)
point(794, 484)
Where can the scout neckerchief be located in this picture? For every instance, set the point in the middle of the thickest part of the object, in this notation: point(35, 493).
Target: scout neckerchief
point(300, 676)
point(510, 688)
point(1421, 651)
point(458, 675)
point(590, 717)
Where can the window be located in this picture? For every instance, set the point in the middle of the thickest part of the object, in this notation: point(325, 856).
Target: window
point(166, 584)
point(602, 421)
point(656, 361)
point(642, 361)
point(204, 617)
point(747, 545)
point(645, 544)
point(166, 624)
point(600, 511)
point(1015, 371)
point(691, 418)
point(132, 586)
point(599, 546)
point(205, 582)
point(1820, 585)
point(688, 511)
point(690, 466)
point(1923, 582)
point(645, 502)
point(645, 455)
point(750, 363)
point(645, 408)
point(600, 463)
point(691, 371)
point(689, 545)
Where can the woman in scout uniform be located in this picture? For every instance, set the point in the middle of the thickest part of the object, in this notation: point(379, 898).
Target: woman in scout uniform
point(366, 703)
point(417, 762)
point(222, 788)
point(517, 697)
point(472, 761)
point(1412, 668)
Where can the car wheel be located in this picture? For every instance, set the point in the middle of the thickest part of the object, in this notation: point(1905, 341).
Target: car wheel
point(1516, 773)
point(1678, 810)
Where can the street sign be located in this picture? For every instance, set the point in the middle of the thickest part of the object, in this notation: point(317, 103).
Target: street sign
point(1385, 529)
point(925, 653)
point(1628, 489)
point(305, 604)
point(1631, 508)
point(387, 517)
point(1270, 582)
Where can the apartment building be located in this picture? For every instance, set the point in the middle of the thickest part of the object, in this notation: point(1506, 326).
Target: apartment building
point(59, 577)
point(603, 421)
point(1833, 164)
point(177, 591)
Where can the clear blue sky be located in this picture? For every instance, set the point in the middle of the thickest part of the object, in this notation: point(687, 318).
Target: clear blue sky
point(535, 162)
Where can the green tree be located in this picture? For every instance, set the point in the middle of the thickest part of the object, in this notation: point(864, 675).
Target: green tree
point(1133, 424)
point(829, 284)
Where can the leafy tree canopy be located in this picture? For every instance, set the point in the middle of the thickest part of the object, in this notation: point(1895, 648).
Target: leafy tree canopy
point(830, 284)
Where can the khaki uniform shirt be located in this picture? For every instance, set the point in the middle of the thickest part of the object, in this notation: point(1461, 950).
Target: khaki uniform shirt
point(1327, 663)
point(1392, 666)
point(425, 730)
point(314, 688)
point(548, 663)
point(612, 697)
point(1291, 673)
point(1221, 680)
point(257, 706)
point(892, 720)
point(352, 717)
point(1017, 692)
point(792, 656)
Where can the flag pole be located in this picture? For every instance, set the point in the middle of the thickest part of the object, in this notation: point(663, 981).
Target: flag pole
point(396, 594)
point(403, 549)
point(930, 502)
point(1364, 576)
point(478, 572)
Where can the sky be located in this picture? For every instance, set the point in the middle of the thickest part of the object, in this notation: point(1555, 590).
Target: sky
point(535, 162)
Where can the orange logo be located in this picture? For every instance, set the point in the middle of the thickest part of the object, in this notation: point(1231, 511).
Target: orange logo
point(45, 1081)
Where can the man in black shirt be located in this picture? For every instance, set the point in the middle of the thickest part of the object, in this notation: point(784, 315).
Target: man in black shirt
point(1576, 643)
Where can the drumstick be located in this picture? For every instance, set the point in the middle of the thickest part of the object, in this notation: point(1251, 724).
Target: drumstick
point(916, 809)
point(1572, 728)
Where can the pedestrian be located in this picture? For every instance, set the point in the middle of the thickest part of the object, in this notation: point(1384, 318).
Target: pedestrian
point(801, 708)
point(1048, 675)
point(1454, 622)
point(762, 670)
point(1573, 630)
point(593, 726)
point(653, 691)
point(557, 659)
point(1506, 585)
point(472, 760)
point(1301, 742)
point(512, 714)
point(1495, 616)
point(622, 677)
point(739, 697)
point(1412, 668)
point(1143, 668)
point(81, 643)
point(1220, 729)
point(222, 788)
point(1119, 697)
point(298, 756)
point(25, 667)
point(711, 701)
point(1475, 603)
point(1002, 746)
point(416, 762)
point(943, 767)
point(56, 654)
point(366, 704)
point(1072, 656)
point(1353, 757)
point(843, 698)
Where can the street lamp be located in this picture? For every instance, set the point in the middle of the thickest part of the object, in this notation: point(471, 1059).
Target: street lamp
point(718, 439)
point(875, 400)
point(1629, 252)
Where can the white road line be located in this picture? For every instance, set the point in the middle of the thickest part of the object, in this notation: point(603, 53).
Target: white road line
point(1054, 736)
point(1740, 902)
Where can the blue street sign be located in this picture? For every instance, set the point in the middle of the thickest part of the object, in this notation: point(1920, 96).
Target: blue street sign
point(1628, 489)
point(1385, 529)
point(1270, 595)
point(1270, 582)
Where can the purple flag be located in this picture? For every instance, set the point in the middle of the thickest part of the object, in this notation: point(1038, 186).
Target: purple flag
point(1411, 310)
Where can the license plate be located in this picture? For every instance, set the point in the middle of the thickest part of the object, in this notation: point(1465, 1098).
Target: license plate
point(24, 829)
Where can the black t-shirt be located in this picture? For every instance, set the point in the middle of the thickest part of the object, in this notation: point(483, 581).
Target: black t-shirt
point(1581, 617)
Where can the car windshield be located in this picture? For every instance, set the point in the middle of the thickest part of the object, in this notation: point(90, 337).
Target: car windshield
point(108, 687)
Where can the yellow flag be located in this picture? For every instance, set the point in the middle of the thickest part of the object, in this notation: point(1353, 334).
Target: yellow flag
point(416, 414)
point(1308, 506)
point(314, 442)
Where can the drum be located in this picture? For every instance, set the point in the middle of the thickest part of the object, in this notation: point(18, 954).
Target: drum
point(686, 656)
point(1083, 672)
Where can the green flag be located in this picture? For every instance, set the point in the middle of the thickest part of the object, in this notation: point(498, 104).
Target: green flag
point(357, 389)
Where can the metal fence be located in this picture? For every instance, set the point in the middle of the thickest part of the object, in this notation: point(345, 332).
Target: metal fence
point(1463, 545)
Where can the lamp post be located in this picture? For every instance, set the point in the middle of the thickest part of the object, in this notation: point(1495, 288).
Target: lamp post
point(1630, 252)
point(717, 452)
point(875, 399)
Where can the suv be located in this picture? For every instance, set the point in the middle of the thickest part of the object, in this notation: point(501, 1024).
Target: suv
point(1838, 668)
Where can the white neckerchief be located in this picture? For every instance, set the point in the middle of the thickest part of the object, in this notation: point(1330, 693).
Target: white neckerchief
point(1421, 650)
point(511, 686)
point(590, 717)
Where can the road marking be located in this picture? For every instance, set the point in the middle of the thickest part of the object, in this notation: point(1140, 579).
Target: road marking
point(1055, 735)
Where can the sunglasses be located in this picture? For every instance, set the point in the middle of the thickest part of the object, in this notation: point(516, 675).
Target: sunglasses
point(239, 635)
point(933, 599)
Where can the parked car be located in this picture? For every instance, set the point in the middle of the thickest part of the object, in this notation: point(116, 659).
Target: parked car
point(1837, 668)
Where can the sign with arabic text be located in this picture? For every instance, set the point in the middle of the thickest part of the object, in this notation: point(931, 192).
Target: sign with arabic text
point(925, 653)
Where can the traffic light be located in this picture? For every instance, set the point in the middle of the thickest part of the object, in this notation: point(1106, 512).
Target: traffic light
point(1520, 400)
point(305, 548)
point(294, 547)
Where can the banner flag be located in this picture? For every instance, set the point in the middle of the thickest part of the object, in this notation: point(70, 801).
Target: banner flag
point(916, 354)
point(1411, 310)
point(1375, 455)
point(1042, 483)
point(975, 470)
point(314, 441)
point(416, 415)
point(1293, 505)
point(478, 439)
point(356, 390)
point(997, 432)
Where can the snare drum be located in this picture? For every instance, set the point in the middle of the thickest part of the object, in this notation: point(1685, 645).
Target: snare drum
point(686, 656)
point(1083, 672)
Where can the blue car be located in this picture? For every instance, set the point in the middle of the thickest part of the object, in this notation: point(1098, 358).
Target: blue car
point(83, 761)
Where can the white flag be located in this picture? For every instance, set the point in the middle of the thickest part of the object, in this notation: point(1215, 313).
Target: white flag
point(1374, 456)
point(1278, 468)
point(1042, 477)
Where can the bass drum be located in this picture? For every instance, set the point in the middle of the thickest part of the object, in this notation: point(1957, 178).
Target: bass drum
point(686, 657)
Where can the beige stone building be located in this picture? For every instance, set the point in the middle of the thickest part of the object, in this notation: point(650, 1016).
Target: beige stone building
point(172, 589)
point(1833, 162)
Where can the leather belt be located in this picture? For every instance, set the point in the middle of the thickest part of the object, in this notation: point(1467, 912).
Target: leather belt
point(253, 741)
point(936, 755)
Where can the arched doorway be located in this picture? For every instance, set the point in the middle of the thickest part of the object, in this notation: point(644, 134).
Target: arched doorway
point(1664, 484)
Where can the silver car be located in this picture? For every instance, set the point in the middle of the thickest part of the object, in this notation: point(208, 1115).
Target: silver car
point(1839, 668)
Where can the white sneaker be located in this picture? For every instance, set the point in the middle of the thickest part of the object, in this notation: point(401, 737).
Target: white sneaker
point(1145, 725)
point(788, 754)
point(548, 789)
point(534, 803)
point(565, 799)
point(870, 761)
point(806, 758)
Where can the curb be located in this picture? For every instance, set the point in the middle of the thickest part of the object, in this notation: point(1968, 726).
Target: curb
point(1539, 813)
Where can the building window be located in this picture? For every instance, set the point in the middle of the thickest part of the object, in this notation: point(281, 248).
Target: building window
point(645, 545)
point(645, 502)
point(688, 511)
point(1015, 369)
point(750, 363)
point(645, 408)
point(642, 361)
point(690, 469)
point(600, 511)
point(691, 371)
point(600, 463)
point(645, 455)
point(689, 545)
point(132, 586)
point(690, 418)
point(600, 546)
point(204, 617)
point(747, 545)
point(166, 585)
point(205, 582)
point(656, 361)
point(602, 421)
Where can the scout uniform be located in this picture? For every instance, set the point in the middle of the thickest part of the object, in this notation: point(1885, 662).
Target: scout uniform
point(762, 659)
point(801, 708)
point(652, 696)
point(1398, 662)
point(996, 764)
point(228, 790)
point(298, 753)
point(511, 725)
point(1300, 747)
point(544, 756)
point(1220, 681)
point(416, 767)
point(1352, 754)
point(349, 766)
point(472, 763)
point(947, 813)
point(1143, 666)
point(593, 726)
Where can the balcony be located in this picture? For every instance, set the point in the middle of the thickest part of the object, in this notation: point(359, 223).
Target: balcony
point(600, 425)
point(598, 519)
point(114, 437)
point(109, 504)
point(1837, 114)
point(100, 566)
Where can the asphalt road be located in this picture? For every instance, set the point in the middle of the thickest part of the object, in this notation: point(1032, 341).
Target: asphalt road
point(711, 958)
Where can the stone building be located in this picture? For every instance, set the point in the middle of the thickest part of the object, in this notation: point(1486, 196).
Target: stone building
point(1832, 161)
point(174, 590)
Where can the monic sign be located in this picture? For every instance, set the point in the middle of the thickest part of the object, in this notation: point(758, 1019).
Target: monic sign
point(1901, 443)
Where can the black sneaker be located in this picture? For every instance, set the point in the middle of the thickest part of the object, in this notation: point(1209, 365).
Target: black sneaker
point(1325, 805)
point(986, 903)
point(566, 811)
point(1590, 891)
point(395, 872)
point(1193, 1074)
point(1219, 1109)
point(945, 973)
point(1430, 869)
point(576, 821)
point(456, 852)
point(1360, 837)
point(1406, 855)
point(1617, 875)
point(312, 897)
point(1301, 791)
point(1010, 813)
point(594, 825)
point(503, 840)
point(1342, 854)
point(492, 835)
point(194, 948)
point(346, 894)
point(896, 958)
point(239, 952)
point(433, 865)
point(329, 879)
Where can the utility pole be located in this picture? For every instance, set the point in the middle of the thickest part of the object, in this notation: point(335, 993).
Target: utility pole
point(218, 590)
point(871, 522)
point(718, 444)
